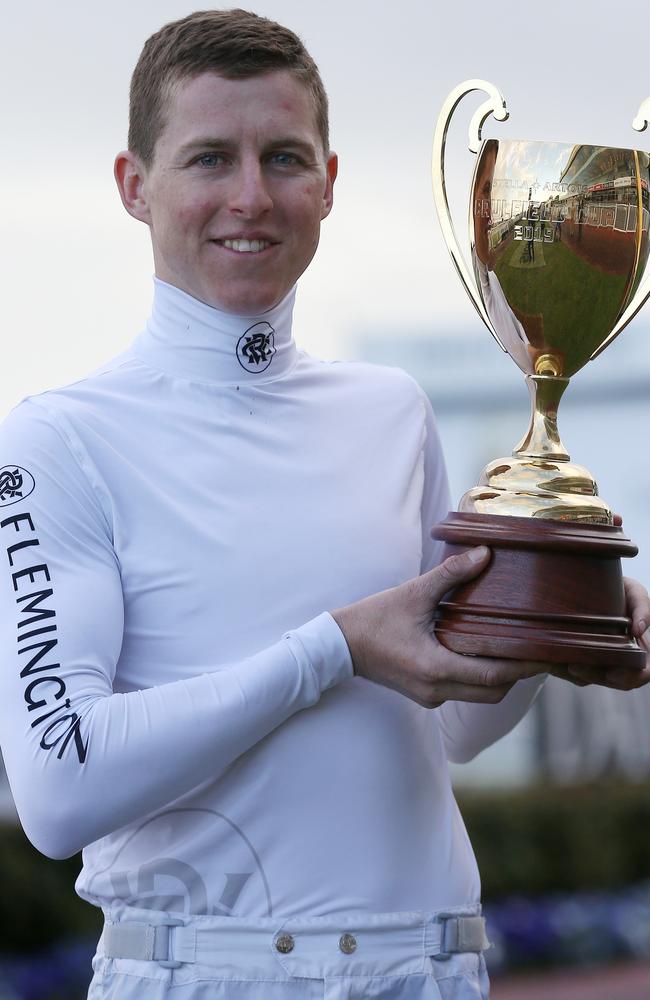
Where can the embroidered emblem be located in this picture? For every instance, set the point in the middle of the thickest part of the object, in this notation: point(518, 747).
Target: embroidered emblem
point(15, 484)
point(255, 347)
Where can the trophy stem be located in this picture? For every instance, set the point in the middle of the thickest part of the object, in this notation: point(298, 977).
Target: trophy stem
point(539, 480)
point(542, 439)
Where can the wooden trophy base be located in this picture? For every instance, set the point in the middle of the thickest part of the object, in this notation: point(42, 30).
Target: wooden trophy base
point(553, 592)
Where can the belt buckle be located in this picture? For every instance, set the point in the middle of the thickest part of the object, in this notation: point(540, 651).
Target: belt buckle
point(170, 963)
point(442, 918)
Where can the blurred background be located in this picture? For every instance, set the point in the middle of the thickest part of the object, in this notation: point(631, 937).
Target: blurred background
point(559, 812)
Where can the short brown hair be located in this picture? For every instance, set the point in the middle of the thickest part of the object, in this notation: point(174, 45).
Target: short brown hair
point(237, 44)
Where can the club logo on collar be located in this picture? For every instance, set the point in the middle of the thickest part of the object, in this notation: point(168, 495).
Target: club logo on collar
point(255, 347)
point(15, 484)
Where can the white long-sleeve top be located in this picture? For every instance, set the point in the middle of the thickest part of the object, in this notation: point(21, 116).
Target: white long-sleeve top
point(175, 697)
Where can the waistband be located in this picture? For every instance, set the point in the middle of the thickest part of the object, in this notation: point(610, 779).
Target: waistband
point(350, 944)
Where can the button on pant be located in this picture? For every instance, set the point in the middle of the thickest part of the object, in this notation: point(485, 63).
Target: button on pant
point(364, 956)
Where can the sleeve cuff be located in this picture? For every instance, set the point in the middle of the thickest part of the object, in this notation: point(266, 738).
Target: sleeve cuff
point(320, 645)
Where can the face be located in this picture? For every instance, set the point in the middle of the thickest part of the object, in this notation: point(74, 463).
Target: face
point(482, 201)
point(237, 189)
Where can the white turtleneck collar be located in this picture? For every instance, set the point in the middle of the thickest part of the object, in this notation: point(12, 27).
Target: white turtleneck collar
point(188, 338)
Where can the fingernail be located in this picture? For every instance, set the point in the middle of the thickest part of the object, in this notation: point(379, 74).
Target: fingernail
point(478, 555)
point(641, 626)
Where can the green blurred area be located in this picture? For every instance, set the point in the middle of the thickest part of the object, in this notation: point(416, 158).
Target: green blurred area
point(528, 842)
point(38, 904)
point(579, 302)
point(548, 839)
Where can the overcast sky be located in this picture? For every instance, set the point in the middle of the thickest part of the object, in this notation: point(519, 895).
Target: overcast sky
point(76, 270)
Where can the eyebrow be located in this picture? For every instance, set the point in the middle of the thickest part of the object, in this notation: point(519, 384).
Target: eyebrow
point(215, 142)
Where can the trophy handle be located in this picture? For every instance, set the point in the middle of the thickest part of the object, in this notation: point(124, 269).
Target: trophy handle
point(642, 293)
point(496, 105)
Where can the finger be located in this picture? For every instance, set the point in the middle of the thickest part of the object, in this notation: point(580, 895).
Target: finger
point(454, 570)
point(618, 521)
point(620, 678)
point(586, 674)
point(480, 671)
point(562, 673)
point(472, 692)
point(638, 605)
point(626, 680)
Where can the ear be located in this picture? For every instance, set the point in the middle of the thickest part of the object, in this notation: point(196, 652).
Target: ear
point(130, 175)
point(332, 169)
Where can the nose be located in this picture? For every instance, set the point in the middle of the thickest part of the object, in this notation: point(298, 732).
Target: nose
point(249, 195)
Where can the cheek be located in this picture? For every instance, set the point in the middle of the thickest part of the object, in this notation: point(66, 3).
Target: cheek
point(314, 193)
point(193, 214)
point(181, 215)
point(309, 207)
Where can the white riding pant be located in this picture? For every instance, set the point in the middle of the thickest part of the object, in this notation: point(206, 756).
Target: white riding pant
point(370, 956)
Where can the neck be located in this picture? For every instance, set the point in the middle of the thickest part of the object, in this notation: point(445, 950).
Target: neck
point(187, 338)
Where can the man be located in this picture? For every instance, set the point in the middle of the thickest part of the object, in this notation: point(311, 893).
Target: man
point(257, 781)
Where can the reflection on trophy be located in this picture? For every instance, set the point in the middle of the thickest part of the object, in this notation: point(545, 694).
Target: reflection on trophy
point(559, 240)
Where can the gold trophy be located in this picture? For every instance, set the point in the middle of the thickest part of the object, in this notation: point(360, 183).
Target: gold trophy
point(559, 241)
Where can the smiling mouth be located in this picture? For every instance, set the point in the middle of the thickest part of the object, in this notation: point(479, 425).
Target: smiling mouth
point(245, 246)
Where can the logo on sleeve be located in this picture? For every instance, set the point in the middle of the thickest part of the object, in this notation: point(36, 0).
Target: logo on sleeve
point(15, 484)
point(255, 347)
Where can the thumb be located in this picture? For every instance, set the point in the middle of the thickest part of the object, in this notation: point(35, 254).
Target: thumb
point(457, 569)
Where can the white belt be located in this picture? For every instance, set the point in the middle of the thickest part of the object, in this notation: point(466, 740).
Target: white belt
point(311, 947)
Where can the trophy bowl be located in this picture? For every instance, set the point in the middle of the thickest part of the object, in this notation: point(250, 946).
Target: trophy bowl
point(559, 243)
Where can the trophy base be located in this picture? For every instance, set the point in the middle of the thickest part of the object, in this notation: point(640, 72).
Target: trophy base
point(553, 592)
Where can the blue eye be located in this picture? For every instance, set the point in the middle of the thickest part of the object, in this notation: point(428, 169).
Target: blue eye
point(209, 159)
point(285, 159)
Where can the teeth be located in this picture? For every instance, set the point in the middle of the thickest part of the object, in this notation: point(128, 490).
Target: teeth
point(246, 246)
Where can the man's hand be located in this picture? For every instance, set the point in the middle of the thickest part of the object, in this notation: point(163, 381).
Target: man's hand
point(620, 678)
point(392, 642)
